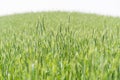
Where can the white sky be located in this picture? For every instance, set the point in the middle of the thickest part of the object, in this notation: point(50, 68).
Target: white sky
point(107, 7)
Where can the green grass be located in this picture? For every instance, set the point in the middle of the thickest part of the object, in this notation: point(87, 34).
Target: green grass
point(59, 46)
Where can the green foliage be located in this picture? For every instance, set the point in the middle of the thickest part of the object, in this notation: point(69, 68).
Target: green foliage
point(59, 46)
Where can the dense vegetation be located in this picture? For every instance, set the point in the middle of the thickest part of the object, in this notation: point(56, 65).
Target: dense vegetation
point(59, 46)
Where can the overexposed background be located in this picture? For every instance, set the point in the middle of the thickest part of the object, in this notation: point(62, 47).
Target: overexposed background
point(104, 7)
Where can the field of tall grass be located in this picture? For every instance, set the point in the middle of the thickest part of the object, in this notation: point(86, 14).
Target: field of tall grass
point(59, 46)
